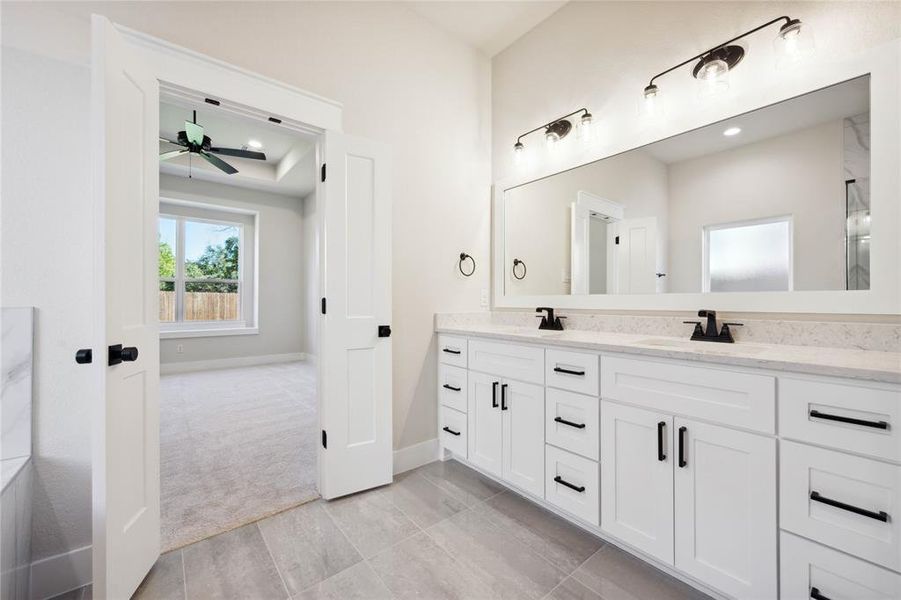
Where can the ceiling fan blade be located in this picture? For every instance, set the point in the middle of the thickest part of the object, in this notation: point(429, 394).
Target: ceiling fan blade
point(239, 153)
point(219, 163)
point(194, 133)
point(173, 154)
point(162, 139)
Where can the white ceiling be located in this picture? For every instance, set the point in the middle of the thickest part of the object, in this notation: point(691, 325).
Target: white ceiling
point(488, 26)
point(289, 168)
point(847, 99)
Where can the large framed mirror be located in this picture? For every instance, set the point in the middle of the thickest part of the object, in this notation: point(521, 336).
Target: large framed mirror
point(769, 204)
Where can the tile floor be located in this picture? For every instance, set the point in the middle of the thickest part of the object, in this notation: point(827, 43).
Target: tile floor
point(228, 439)
point(440, 531)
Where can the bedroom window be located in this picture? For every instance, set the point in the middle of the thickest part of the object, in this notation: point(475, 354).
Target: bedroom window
point(202, 273)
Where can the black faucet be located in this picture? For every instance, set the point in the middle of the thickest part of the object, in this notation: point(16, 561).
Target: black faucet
point(712, 333)
point(550, 321)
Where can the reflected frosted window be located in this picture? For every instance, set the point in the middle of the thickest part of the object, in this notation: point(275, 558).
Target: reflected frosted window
point(754, 257)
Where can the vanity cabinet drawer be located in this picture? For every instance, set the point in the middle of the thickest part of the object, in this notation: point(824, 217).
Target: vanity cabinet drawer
point(844, 501)
point(573, 371)
point(452, 388)
point(842, 415)
point(452, 350)
point(452, 431)
point(740, 399)
point(573, 484)
point(806, 566)
point(525, 363)
point(572, 422)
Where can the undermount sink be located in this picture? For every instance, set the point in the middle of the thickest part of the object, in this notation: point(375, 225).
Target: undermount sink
point(545, 333)
point(692, 345)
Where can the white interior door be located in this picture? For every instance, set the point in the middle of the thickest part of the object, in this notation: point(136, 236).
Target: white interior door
point(126, 478)
point(725, 509)
point(635, 247)
point(637, 478)
point(355, 365)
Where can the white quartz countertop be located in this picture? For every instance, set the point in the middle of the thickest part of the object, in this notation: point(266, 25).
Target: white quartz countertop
point(856, 364)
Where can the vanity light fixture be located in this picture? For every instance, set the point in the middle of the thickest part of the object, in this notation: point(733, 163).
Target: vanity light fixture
point(555, 130)
point(732, 131)
point(793, 40)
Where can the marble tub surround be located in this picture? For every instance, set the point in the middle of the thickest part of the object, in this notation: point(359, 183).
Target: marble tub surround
point(663, 337)
point(15, 394)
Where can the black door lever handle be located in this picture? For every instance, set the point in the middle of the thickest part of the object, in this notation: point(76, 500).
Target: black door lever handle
point(118, 354)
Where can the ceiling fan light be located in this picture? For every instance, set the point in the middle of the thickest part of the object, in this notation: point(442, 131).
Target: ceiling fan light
point(255, 144)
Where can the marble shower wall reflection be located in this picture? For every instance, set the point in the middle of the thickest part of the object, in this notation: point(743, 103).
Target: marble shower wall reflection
point(857, 201)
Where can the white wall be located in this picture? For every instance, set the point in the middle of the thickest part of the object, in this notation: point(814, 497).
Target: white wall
point(280, 273)
point(311, 292)
point(538, 216)
point(799, 174)
point(601, 55)
point(47, 263)
point(402, 81)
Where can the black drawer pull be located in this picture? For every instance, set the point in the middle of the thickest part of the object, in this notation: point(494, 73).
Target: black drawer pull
point(682, 461)
point(826, 416)
point(504, 397)
point(570, 423)
point(494, 394)
point(451, 431)
point(879, 516)
point(661, 435)
point(561, 481)
point(569, 372)
point(451, 388)
point(816, 595)
point(449, 351)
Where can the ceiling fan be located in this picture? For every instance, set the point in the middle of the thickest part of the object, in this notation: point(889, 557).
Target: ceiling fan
point(194, 141)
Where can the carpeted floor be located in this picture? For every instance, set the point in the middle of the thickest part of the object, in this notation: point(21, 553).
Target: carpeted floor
point(236, 445)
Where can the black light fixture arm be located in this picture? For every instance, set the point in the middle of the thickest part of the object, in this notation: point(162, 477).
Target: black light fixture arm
point(787, 20)
point(584, 112)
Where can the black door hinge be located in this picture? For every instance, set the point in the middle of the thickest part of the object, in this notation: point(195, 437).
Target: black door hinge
point(323, 171)
point(324, 439)
point(616, 241)
point(323, 306)
point(215, 103)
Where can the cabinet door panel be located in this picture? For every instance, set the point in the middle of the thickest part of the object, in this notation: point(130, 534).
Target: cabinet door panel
point(725, 509)
point(484, 418)
point(524, 435)
point(636, 486)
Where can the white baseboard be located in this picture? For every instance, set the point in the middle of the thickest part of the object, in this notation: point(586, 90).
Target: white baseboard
point(228, 363)
point(416, 455)
point(62, 573)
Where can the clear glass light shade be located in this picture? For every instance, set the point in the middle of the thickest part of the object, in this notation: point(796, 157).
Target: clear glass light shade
point(651, 105)
point(793, 43)
point(713, 78)
point(518, 153)
point(586, 128)
point(552, 138)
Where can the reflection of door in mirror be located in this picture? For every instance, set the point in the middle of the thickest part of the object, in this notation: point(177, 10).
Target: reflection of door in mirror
point(634, 250)
point(591, 217)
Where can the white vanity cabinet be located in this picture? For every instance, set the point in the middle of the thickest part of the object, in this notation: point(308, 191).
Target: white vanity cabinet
point(506, 429)
point(686, 465)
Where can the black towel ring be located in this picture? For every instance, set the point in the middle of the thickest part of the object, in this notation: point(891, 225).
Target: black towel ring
point(516, 263)
point(463, 257)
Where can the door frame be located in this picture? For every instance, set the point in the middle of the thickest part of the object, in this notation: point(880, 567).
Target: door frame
point(183, 71)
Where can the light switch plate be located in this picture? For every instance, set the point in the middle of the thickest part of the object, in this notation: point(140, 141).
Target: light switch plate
point(484, 299)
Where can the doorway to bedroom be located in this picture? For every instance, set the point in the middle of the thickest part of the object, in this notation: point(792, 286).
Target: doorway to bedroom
point(238, 309)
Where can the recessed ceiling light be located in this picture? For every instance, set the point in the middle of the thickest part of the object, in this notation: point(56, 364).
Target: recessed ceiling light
point(732, 131)
point(255, 144)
